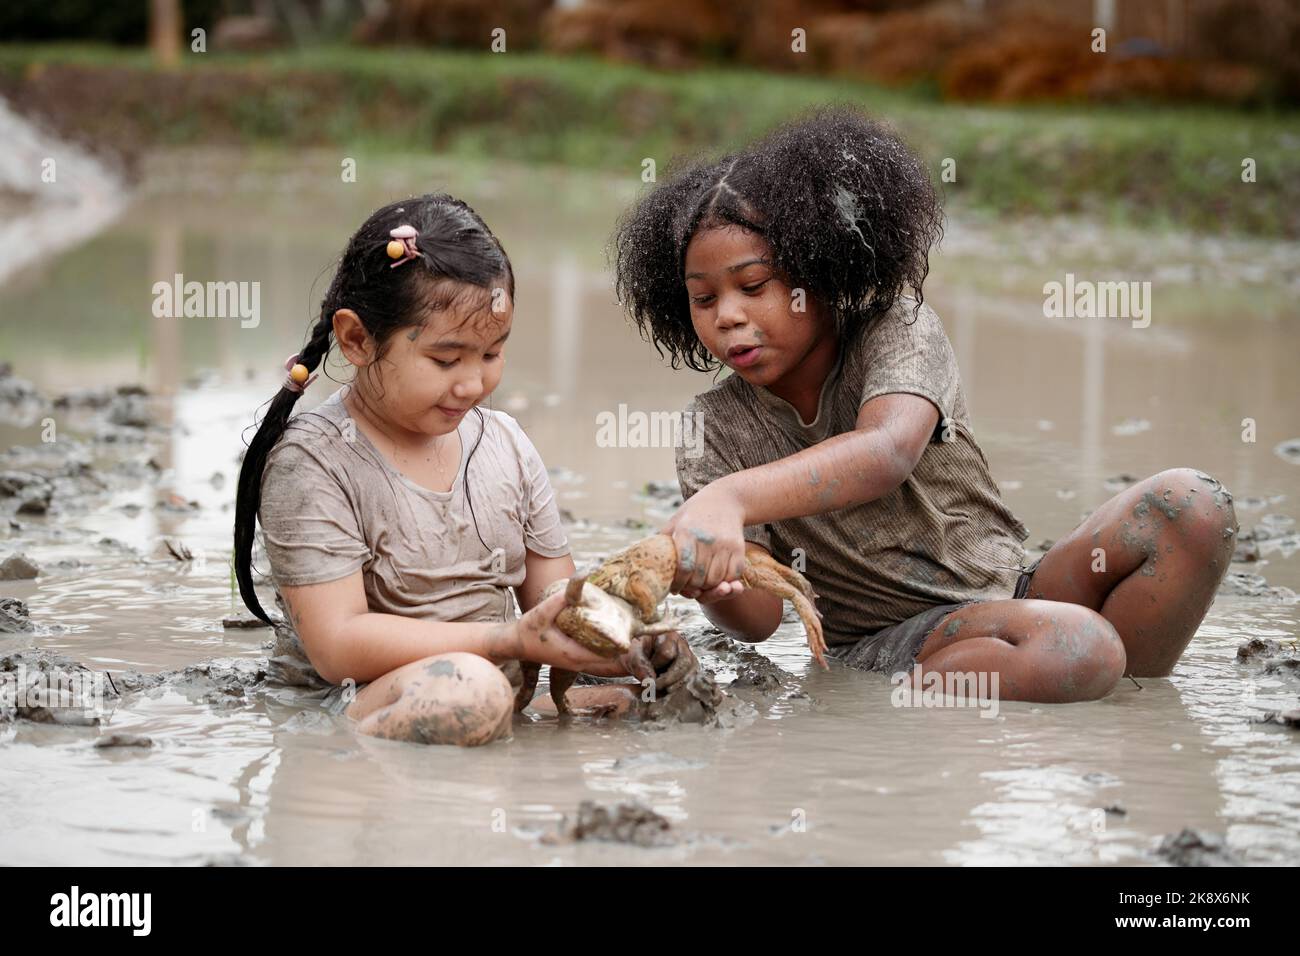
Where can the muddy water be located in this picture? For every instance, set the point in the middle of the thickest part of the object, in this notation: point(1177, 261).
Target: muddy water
point(834, 775)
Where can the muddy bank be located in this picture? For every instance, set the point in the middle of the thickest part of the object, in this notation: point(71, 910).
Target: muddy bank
point(54, 194)
point(503, 108)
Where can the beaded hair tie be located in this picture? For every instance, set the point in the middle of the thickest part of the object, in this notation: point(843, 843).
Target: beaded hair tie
point(402, 246)
point(298, 377)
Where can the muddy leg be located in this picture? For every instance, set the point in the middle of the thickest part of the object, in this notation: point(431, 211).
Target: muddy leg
point(1044, 651)
point(454, 698)
point(1150, 561)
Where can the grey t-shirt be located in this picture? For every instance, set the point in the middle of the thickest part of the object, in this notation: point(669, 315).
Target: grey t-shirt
point(941, 537)
point(333, 505)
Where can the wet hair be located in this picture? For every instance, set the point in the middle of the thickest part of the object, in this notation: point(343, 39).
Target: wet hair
point(849, 211)
point(460, 265)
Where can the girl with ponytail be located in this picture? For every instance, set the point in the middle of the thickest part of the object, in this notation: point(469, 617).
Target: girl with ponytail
point(401, 518)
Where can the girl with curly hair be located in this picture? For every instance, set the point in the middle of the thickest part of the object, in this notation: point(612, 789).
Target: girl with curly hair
point(841, 442)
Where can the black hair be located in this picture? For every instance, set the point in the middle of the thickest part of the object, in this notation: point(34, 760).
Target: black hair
point(849, 211)
point(460, 263)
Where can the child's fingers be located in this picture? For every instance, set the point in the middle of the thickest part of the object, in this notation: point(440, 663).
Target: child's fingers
point(692, 560)
point(543, 612)
point(719, 564)
point(541, 616)
point(673, 660)
point(724, 590)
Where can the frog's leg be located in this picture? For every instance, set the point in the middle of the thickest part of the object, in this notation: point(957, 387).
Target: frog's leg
point(561, 681)
point(525, 693)
point(765, 573)
point(642, 597)
point(754, 555)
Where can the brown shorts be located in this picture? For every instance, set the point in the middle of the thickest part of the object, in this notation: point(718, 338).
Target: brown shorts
point(894, 648)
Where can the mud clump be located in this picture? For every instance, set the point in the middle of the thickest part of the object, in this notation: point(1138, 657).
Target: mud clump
point(243, 622)
point(219, 679)
point(1195, 848)
point(48, 694)
point(18, 567)
point(20, 402)
point(1242, 584)
point(1283, 718)
point(630, 823)
point(14, 618)
point(696, 700)
point(1257, 649)
point(754, 670)
point(1275, 534)
point(64, 714)
point(1272, 657)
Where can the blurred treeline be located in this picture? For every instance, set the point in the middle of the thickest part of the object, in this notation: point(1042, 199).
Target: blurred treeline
point(1229, 51)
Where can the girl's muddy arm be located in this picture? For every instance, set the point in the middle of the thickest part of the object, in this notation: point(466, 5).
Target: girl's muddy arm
point(888, 439)
point(539, 573)
point(343, 638)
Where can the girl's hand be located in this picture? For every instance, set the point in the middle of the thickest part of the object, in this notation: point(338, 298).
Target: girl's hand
point(727, 589)
point(534, 637)
point(709, 531)
point(664, 658)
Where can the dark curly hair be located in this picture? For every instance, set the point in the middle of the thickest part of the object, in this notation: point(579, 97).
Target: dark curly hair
point(848, 209)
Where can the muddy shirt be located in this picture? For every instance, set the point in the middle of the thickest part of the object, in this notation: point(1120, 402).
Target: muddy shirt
point(941, 537)
point(333, 505)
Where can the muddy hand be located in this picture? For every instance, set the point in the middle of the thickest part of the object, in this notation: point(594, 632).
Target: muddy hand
point(672, 659)
point(708, 532)
point(637, 660)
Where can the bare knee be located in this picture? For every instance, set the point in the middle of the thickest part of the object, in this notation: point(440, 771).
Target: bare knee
point(1087, 657)
point(455, 698)
point(1201, 509)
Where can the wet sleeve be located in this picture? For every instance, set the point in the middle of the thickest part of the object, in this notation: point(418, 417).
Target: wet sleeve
point(543, 529)
point(706, 459)
point(912, 355)
point(308, 520)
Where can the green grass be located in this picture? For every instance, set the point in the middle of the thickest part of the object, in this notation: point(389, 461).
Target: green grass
point(1152, 165)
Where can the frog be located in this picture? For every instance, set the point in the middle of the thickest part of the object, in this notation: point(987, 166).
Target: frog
point(620, 600)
